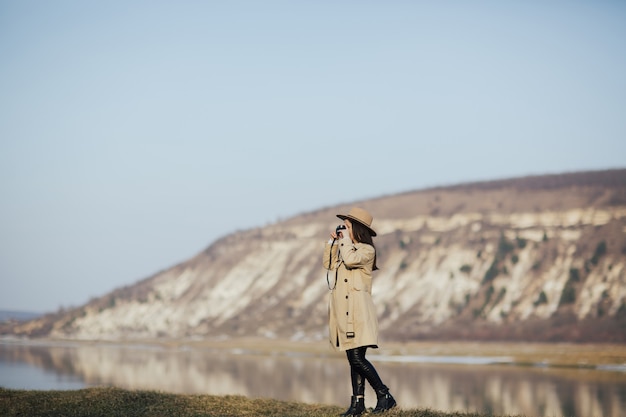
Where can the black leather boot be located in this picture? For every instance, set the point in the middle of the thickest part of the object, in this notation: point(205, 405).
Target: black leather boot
point(384, 401)
point(357, 407)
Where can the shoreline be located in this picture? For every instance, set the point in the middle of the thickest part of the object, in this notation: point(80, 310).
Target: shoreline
point(592, 356)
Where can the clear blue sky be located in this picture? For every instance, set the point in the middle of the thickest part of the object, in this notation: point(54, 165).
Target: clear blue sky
point(135, 133)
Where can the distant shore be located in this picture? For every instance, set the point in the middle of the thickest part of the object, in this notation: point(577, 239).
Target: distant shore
point(611, 357)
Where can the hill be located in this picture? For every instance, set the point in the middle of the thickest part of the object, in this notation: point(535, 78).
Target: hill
point(538, 258)
point(6, 315)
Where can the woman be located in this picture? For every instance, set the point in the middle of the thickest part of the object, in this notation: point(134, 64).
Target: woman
point(353, 326)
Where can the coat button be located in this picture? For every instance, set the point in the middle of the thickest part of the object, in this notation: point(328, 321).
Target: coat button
point(346, 297)
point(346, 313)
point(345, 280)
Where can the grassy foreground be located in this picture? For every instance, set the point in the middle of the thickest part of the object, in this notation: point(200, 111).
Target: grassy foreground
point(111, 402)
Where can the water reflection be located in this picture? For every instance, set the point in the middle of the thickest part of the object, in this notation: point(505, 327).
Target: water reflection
point(496, 389)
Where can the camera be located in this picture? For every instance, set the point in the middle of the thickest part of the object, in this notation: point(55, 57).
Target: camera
point(340, 228)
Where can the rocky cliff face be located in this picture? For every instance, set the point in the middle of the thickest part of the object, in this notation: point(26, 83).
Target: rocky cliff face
point(536, 258)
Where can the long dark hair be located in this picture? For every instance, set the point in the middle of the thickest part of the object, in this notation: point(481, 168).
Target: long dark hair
point(362, 235)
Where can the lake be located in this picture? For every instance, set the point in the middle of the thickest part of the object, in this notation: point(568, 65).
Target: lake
point(446, 383)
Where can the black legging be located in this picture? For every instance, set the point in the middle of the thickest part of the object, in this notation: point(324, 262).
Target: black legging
point(362, 368)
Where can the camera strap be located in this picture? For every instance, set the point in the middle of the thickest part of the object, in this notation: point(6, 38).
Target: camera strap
point(330, 259)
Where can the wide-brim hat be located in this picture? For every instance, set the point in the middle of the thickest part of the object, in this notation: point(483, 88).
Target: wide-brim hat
point(359, 215)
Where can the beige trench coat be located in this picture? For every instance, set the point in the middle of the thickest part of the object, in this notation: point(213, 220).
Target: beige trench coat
point(352, 315)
